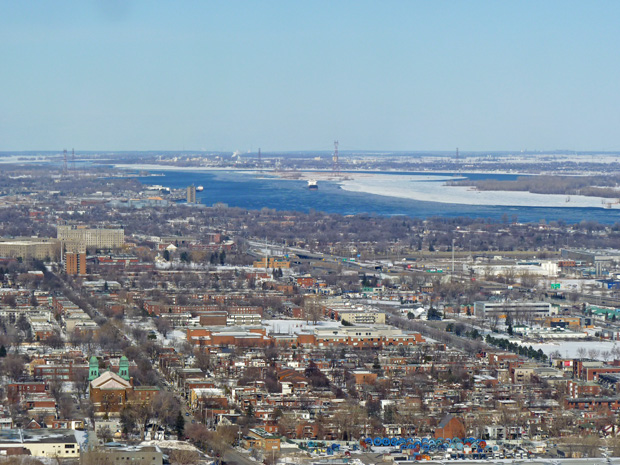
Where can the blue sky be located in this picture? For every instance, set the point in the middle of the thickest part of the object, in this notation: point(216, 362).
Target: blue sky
point(296, 75)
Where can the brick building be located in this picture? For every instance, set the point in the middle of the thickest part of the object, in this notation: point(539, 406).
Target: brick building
point(111, 392)
point(450, 427)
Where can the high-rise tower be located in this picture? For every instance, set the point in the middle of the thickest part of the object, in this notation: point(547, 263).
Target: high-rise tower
point(191, 194)
point(336, 163)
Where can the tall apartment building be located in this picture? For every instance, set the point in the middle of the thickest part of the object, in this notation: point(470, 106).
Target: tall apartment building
point(75, 259)
point(75, 263)
point(191, 194)
point(100, 238)
point(28, 248)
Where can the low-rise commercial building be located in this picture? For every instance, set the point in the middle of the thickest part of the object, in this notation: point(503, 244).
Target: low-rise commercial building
point(56, 443)
point(514, 309)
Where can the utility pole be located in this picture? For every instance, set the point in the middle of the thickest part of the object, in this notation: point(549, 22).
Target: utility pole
point(452, 275)
point(260, 162)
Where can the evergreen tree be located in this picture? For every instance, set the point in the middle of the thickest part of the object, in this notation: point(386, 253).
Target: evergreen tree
point(22, 323)
point(376, 367)
point(2, 351)
point(179, 425)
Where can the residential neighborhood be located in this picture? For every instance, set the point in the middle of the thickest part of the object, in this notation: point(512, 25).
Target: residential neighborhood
point(205, 344)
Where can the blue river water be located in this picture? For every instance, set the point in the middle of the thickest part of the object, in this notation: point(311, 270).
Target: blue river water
point(252, 191)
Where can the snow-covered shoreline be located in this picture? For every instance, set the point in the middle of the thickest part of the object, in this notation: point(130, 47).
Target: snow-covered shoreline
point(434, 189)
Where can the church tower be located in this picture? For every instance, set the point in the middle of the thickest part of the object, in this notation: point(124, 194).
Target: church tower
point(123, 369)
point(93, 368)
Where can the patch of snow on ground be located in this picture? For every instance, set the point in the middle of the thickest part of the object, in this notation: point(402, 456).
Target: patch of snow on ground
point(171, 444)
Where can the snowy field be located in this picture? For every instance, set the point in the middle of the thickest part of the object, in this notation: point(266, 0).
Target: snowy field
point(569, 349)
point(429, 188)
point(29, 158)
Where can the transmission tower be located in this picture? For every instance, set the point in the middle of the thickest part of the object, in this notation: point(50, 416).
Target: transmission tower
point(260, 162)
point(64, 165)
point(336, 164)
point(73, 159)
point(457, 154)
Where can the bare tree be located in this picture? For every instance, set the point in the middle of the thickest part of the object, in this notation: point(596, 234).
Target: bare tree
point(198, 434)
point(184, 457)
point(13, 366)
point(313, 309)
point(55, 389)
point(203, 360)
point(165, 407)
point(163, 326)
point(286, 425)
point(66, 407)
point(556, 354)
point(105, 434)
point(55, 340)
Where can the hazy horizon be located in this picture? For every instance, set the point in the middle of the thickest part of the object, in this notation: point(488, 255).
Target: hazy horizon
point(403, 153)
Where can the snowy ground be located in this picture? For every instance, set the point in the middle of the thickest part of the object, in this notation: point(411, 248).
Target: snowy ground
point(430, 188)
point(178, 336)
point(28, 158)
point(174, 338)
point(569, 349)
point(170, 444)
